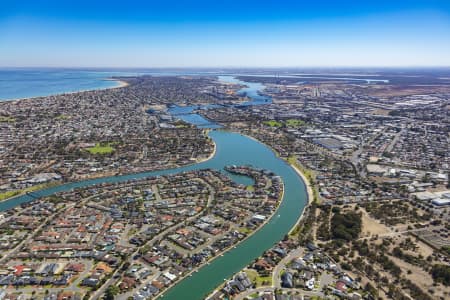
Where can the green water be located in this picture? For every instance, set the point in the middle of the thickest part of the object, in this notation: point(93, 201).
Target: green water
point(232, 149)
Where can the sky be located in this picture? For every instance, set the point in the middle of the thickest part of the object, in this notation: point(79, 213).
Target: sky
point(166, 33)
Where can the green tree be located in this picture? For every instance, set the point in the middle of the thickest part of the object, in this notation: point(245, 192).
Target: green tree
point(111, 292)
point(441, 273)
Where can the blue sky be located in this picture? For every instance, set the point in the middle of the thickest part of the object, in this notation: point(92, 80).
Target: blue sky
point(211, 33)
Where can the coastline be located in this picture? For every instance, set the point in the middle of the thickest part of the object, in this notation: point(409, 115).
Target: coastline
point(120, 84)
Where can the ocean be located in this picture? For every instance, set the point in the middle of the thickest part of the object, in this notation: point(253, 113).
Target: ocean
point(26, 83)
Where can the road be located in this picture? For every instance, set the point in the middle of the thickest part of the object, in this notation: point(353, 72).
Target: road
point(356, 160)
point(73, 287)
point(395, 139)
point(300, 292)
point(32, 234)
point(128, 294)
point(276, 277)
point(394, 233)
point(98, 293)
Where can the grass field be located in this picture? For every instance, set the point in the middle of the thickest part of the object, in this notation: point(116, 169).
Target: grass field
point(309, 174)
point(9, 194)
point(273, 123)
point(62, 117)
point(257, 279)
point(244, 230)
point(288, 123)
point(294, 123)
point(7, 119)
point(101, 148)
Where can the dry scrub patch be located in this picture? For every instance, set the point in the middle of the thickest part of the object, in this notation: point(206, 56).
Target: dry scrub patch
point(371, 226)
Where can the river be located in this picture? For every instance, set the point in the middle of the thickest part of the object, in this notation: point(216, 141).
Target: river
point(237, 149)
point(231, 149)
point(252, 90)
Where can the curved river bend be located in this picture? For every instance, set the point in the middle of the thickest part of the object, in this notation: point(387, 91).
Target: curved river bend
point(231, 149)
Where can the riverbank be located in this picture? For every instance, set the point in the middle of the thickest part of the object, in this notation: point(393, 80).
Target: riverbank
point(9, 195)
point(310, 197)
point(280, 200)
point(18, 193)
point(308, 185)
point(213, 153)
point(232, 149)
point(309, 193)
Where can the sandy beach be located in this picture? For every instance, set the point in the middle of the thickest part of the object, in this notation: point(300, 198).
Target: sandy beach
point(309, 189)
point(309, 192)
point(212, 153)
point(120, 84)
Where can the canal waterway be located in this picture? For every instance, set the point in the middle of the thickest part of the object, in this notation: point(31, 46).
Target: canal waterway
point(231, 149)
point(237, 149)
point(252, 91)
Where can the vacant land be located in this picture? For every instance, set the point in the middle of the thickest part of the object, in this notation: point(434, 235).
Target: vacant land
point(371, 226)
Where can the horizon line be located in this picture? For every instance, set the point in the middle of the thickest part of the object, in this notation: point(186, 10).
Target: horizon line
point(228, 67)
